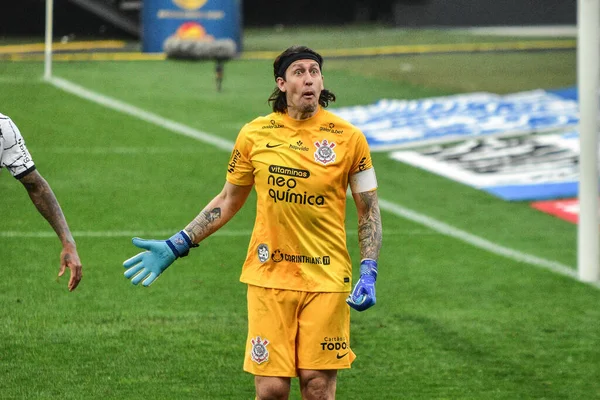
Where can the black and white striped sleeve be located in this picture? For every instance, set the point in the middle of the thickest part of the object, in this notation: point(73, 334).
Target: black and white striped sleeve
point(14, 155)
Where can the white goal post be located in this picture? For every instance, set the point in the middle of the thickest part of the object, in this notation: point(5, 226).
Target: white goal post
point(588, 70)
point(48, 40)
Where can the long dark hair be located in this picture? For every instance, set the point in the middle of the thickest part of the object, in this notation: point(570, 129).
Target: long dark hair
point(277, 99)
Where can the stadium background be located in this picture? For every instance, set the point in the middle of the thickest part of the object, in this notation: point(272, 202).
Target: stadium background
point(477, 297)
point(27, 16)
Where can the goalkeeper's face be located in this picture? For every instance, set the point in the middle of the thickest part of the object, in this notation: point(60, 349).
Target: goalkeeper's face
point(302, 87)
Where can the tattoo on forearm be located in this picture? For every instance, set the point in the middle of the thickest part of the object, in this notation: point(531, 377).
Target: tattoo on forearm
point(204, 224)
point(46, 203)
point(369, 227)
point(213, 214)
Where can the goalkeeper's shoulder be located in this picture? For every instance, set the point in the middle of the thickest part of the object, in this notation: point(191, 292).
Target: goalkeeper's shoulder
point(341, 126)
point(250, 127)
point(263, 121)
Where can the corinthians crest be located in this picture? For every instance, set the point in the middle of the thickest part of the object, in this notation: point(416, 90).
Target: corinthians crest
point(325, 153)
point(259, 352)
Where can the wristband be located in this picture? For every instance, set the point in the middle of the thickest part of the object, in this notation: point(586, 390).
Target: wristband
point(368, 266)
point(180, 243)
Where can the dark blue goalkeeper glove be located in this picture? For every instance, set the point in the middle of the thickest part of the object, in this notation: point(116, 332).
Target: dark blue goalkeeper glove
point(159, 254)
point(363, 295)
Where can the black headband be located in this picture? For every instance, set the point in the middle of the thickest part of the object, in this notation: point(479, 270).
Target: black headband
point(295, 57)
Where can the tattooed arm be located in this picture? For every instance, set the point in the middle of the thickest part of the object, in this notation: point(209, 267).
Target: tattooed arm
point(369, 224)
point(148, 265)
point(44, 200)
point(362, 296)
point(220, 210)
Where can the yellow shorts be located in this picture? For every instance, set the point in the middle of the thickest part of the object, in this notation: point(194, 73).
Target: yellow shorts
point(290, 330)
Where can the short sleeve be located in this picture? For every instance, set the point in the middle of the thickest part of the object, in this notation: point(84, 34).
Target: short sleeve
point(362, 155)
point(239, 169)
point(14, 155)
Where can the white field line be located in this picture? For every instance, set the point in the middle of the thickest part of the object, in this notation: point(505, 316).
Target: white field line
point(159, 234)
point(477, 241)
point(385, 205)
point(152, 118)
point(118, 150)
point(163, 233)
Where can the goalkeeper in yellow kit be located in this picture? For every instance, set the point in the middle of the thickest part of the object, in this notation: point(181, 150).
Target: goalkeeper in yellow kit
point(300, 159)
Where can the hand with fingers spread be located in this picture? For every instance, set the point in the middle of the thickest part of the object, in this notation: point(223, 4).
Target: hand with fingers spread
point(363, 295)
point(159, 255)
point(70, 259)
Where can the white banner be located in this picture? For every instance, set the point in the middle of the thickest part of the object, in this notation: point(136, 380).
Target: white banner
point(397, 124)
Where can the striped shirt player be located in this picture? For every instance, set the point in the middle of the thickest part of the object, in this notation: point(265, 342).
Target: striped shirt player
point(15, 157)
point(301, 159)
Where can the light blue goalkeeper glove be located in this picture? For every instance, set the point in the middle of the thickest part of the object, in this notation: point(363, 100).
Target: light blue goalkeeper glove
point(363, 295)
point(148, 265)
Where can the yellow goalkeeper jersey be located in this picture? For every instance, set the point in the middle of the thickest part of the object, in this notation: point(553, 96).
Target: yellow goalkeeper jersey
point(300, 171)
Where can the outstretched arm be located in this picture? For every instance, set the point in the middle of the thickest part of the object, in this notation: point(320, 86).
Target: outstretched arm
point(145, 267)
point(46, 203)
point(220, 210)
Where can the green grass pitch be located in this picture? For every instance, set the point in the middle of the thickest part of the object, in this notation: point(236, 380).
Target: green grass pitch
point(452, 321)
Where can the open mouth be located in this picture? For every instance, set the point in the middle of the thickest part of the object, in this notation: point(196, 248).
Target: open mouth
point(308, 94)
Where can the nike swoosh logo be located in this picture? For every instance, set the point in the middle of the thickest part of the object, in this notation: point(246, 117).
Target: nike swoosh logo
point(342, 356)
point(270, 146)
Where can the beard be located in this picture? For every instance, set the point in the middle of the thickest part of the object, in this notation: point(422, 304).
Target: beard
point(305, 108)
point(308, 108)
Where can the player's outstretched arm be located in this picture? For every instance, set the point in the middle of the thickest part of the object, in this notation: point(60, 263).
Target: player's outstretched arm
point(46, 203)
point(369, 237)
point(146, 266)
point(220, 210)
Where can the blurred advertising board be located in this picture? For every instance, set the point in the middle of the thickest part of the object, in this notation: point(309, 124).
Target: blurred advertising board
point(567, 209)
point(397, 124)
point(194, 19)
point(519, 147)
point(533, 167)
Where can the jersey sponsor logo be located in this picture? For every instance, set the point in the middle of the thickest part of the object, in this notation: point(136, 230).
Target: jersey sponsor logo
point(324, 153)
point(279, 256)
point(274, 125)
point(282, 189)
point(362, 164)
point(298, 146)
point(259, 353)
point(235, 157)
point(270, 146)
point(263, 252)
point(297, 173)
point(338, 345)
point(331, 129)
point(24, 153)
